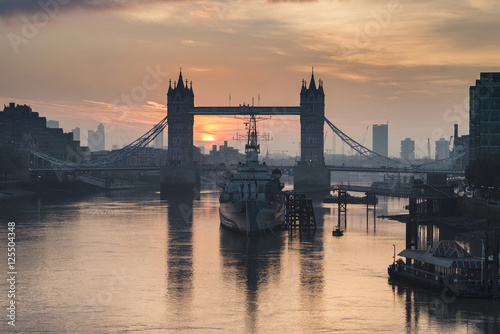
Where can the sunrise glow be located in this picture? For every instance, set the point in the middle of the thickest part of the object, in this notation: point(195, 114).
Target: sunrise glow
point(406, 61)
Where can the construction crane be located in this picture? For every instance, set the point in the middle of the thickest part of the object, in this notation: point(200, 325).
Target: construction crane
point(366, 132)
point(428, 148)
point(297, 142)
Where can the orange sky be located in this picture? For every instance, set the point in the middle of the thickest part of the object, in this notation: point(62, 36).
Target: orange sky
point(406, 62)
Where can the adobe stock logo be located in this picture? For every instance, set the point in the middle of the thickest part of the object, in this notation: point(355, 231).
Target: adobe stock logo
point(31, 27)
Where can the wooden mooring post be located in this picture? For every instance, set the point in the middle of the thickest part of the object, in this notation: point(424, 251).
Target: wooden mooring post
point(299, 212)
point(412, 227)
point(342, 213)
point(374, 198)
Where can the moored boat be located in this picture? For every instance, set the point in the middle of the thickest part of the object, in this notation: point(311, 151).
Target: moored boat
point(448, 268)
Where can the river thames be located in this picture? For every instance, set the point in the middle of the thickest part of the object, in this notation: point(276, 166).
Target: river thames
point(130, 262)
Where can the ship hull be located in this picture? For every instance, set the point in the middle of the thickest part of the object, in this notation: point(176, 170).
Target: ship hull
point(251, 216)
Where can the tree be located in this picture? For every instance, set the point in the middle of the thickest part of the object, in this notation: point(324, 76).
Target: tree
point(10, 160)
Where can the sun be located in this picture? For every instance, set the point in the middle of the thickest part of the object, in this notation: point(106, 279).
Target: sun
point(208, 139)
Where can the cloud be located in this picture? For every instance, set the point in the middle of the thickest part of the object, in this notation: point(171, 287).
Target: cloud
point(290, 1)
point(198, 13)
point(156, 105)
point(209, 7)
point(190, 42)
point(13, 7)
point(199, 69)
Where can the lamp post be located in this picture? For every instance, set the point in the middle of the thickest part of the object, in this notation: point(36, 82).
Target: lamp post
point(394, 257)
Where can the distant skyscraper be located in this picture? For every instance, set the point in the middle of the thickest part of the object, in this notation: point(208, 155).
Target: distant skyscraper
point(381, 139)
point(158, 142)
point(408, 149)
point(53, 124)
point(96, 139)
point(91, 140)
point(76, 133)
point(484, 115)
point(442, 149)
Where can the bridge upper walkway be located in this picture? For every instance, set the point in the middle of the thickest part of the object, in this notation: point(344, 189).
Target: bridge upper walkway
point(246, 110)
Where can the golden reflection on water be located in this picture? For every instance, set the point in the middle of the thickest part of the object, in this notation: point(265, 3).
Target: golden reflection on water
point(137, 263)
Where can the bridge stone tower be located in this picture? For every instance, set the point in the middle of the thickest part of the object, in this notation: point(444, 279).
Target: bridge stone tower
point(179, 177)
point(312, 113)
point(311, 173)
point(180, 101)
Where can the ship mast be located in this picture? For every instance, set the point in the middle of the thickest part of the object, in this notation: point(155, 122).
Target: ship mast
point(252, 148)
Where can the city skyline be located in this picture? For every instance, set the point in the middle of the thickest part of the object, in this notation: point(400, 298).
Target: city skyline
point(413, 67)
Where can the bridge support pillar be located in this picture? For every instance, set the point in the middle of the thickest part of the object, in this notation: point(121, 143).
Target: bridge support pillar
point(179, 181)
point(311, 179)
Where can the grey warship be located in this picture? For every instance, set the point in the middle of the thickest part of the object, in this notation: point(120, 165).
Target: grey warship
point(251, 198)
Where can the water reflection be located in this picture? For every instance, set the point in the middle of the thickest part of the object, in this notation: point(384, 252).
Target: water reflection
point(254, 262)
point(477, 315)
point(311, 266)
point(179, 280)
point(187, 275)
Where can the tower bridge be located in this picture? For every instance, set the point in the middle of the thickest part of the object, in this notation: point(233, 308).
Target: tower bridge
point(181, 171)
point(311, 170)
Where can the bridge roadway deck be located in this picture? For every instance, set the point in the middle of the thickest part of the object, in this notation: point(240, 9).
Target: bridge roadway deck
point(89, 169)
point(220, 168)
point(409, 170)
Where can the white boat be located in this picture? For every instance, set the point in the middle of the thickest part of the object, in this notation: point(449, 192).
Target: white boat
point(251, 198)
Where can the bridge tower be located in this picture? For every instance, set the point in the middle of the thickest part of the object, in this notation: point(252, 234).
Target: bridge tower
point(312, 113)
point(180, 101)
point(179, 176)
point(311, 173)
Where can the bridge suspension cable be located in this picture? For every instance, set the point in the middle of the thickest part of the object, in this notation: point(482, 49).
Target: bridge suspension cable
point(452, 157)
point(146, 138)
point(117, 155)
point(362, 149)
point(382, 159)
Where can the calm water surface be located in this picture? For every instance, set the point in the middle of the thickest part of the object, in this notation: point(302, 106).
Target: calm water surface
point(130, 262)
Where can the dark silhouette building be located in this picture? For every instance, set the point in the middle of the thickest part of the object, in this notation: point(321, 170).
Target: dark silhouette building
point(460, 144)
point(484, 116)
point(23, 128)
point(225, 155)
point(53, 124)
point(442, 149)
point(408, 149)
